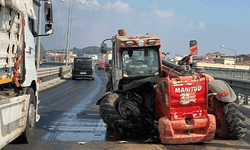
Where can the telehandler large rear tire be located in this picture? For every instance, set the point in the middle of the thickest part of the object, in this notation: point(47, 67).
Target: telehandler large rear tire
point(229, 120)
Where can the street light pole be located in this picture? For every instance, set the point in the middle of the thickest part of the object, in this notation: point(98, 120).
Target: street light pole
point(67, 59)
point(64, 44)
point(222, 46)
point(68, 32)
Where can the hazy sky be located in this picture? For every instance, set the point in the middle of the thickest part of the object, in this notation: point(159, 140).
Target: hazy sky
point(211, 22)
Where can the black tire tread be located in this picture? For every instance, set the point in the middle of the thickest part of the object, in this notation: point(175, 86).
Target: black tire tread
point(236, 127)
point(112, 118)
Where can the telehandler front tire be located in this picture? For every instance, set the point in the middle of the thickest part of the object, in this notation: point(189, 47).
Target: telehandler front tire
point(229, 120)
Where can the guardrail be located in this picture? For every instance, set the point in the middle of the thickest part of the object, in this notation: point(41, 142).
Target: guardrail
point(229, 73)
point(239, 80)
point(54, 63)
point(49, 73)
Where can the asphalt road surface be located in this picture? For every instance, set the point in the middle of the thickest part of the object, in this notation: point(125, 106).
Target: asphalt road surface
point(70, 120)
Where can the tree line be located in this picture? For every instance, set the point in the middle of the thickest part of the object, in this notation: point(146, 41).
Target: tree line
point(87, 50)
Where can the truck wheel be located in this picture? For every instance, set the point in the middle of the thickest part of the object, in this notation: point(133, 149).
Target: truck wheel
point(29, 132)
point(229, 120)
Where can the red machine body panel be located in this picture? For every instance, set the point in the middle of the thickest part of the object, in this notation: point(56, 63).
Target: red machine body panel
point(183, 131)
point(181, 107)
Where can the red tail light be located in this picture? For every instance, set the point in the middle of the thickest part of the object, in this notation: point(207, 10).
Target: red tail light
point(222, 94)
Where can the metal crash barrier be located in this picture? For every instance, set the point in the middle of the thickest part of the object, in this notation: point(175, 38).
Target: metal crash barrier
point(239, 80)
point(229, 73)
point(49, 73)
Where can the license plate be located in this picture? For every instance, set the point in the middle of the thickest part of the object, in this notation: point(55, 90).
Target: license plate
point(82, 72)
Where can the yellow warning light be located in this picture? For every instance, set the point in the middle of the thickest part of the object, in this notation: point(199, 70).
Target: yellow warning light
point(122, 32)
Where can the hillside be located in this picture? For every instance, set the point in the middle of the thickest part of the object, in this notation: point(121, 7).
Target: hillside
point(88, 50)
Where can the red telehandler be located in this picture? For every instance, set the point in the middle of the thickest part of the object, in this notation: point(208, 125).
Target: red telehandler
point(147, 96)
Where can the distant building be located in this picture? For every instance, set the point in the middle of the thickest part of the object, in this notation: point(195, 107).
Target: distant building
point(108, 56)
point(242, 58)
point(101, 57)
point(225, 61)
point(244, 63)
point(59, 56)
point(203, 59)
point(216, 55)
point(105, 57)
point(219, 60)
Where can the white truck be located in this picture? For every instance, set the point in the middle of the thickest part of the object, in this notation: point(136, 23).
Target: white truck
point(18, 76)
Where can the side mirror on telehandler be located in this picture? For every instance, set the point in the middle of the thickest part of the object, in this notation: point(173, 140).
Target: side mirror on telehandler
point(103, 48)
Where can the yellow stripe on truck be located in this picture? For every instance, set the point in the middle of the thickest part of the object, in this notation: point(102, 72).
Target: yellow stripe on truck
point(7, 80)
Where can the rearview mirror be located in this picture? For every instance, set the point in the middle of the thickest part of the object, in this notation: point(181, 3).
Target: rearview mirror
point(49, 29)
point(48, 13)
point(103, 48)
point(193, 47)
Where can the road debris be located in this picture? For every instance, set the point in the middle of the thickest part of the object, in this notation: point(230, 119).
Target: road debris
point(122, 142)
point(81, 143)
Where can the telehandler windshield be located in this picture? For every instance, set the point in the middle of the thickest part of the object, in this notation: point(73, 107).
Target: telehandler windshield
point(140, 62)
